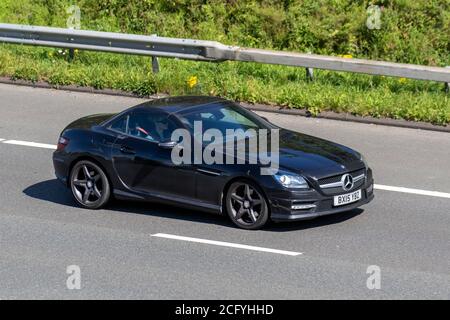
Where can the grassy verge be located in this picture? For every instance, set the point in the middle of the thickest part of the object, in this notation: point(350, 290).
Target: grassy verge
point(409, 32)
point(330, 91)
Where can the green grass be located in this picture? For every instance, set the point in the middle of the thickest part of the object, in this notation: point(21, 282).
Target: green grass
point(277, 25)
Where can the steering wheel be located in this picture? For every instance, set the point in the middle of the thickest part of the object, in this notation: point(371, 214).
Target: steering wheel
point(141, 132)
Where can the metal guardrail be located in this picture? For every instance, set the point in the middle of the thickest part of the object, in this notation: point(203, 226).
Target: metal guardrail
point(206, 51)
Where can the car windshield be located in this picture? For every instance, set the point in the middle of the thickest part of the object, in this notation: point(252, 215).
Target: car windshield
point(222, 117)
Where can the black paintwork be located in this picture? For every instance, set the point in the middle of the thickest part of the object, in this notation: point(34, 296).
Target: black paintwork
point(144, 170)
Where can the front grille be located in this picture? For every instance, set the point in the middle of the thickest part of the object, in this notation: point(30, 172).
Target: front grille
point(335, 179)
point(339, 190)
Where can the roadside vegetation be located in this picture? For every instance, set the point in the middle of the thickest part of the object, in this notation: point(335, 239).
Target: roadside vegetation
point(411, 32)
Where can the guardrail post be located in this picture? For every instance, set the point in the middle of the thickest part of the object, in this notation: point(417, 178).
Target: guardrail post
point(447, 85)
point(71, 50)
point(309, 72)
point(155, 65)
point(155, 62)
point(71, 54)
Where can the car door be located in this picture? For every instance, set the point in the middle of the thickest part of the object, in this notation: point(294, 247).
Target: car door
point(211, 178)
point(144, 164)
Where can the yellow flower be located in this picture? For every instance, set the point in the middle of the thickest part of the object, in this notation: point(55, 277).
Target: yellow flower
point(402, 80)
point(347, 56)
point(192, 81)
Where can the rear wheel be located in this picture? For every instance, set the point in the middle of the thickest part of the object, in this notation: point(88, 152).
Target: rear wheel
point(246, 205)
point(90, 185)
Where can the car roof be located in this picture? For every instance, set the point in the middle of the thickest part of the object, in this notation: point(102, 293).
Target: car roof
point(181, 103)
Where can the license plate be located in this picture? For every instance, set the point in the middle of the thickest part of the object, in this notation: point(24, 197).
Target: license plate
point(347, 198)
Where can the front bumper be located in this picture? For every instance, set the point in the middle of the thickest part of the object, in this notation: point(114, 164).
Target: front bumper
point(282, 203)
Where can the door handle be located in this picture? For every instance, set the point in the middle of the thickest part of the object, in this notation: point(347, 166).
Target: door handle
point(127, 150)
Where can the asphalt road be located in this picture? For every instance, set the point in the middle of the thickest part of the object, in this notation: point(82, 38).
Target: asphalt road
point(42, 231)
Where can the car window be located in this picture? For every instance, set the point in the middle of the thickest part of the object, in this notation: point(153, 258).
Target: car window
point(231, 116)
point(120, 124)
point(151, 125)
point(220, 117)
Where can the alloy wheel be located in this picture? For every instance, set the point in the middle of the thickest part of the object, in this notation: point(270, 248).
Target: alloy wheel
point(246, 205)
point(89, 184)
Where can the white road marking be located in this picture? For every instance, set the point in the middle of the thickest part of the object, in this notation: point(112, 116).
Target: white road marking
point(413, 191)
point(376, 186)
point(30, 144)
point(225, 244)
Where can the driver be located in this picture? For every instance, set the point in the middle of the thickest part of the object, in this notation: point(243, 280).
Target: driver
point(155, 130)
point(160, 128)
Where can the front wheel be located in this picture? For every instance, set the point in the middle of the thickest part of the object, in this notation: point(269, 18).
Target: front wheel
point(246, 205)
point(90, 185)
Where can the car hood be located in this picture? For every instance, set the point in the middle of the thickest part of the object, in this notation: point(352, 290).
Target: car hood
point(315, 157)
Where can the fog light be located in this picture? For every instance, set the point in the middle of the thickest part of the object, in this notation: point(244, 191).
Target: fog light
point(302, 206)
point(370, 188)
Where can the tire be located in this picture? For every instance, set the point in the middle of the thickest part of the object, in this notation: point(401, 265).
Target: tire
point(90, 185)
point(246, 205)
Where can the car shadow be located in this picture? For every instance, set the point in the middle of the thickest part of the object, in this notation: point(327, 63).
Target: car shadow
point(53, 191)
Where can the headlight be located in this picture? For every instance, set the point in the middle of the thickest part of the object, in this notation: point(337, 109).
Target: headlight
point(291, 181)
point(363, 159)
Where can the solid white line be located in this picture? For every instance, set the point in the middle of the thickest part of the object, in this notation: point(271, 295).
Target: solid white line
point(225, 244)
point(30, 144)
point(413, 191)
point(2, 140)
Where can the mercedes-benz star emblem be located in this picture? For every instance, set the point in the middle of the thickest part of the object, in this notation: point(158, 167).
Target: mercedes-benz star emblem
point(347, 182)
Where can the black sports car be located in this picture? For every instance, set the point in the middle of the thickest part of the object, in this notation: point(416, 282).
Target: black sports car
point(129, 155)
